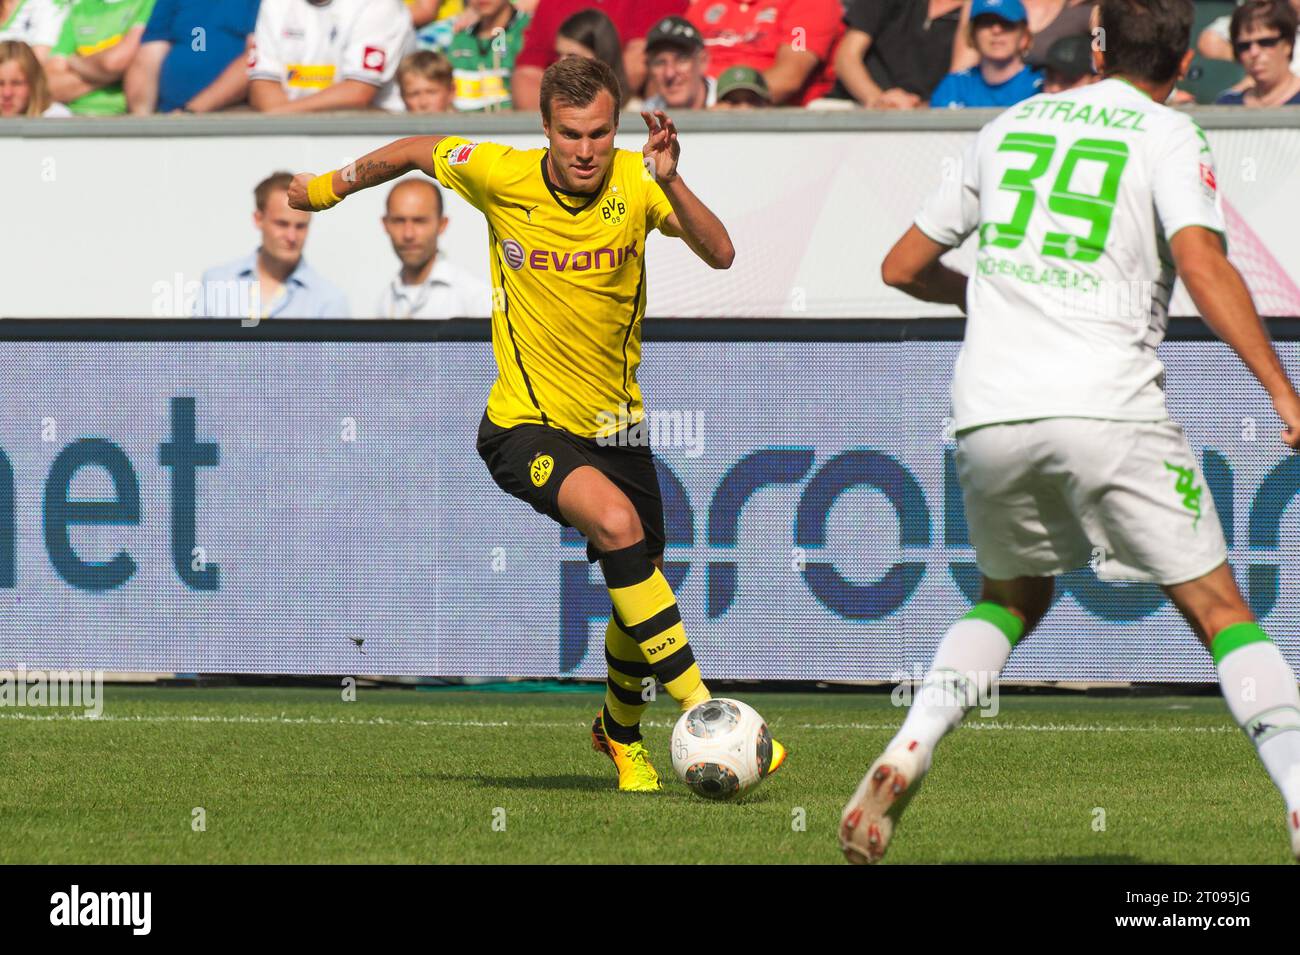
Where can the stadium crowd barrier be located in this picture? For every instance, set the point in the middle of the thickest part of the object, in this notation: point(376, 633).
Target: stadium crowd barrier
point(120, 217)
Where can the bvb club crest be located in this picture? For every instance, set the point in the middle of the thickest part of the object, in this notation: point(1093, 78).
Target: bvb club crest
point(613, 210)
point(540, 469)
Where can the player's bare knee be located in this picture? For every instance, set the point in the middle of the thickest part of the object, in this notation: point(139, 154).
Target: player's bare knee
point(616, 526)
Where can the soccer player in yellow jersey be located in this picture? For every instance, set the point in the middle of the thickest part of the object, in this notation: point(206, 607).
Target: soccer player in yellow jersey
point(566, 230)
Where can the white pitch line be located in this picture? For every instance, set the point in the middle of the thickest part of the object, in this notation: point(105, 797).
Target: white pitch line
point(1038, 727)
point(283, 720)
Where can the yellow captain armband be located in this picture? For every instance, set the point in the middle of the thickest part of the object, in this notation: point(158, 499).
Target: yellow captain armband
point(320, 192)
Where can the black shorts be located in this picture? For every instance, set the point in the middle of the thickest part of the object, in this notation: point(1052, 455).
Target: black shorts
point(531, 461)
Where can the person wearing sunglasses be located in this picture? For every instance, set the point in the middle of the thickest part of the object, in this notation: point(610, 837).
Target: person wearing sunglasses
point(1215, 41)
point(1263, 39)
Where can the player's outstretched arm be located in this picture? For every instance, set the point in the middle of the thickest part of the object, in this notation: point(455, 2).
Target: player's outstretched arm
point(312, 193)
point(691, 219)
point(1224, 302)
point(913, 266)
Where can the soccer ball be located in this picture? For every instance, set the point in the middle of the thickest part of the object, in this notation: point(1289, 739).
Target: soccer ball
point(721, 748)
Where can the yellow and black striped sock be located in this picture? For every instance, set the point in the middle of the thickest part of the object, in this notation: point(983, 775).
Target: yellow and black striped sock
point(646, 610)
point(625, 697)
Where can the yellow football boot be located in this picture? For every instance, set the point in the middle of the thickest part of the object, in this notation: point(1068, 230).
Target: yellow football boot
point(778, 758)
point(635, 774)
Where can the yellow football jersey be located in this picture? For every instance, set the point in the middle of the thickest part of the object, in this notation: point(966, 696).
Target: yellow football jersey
point(568, 283)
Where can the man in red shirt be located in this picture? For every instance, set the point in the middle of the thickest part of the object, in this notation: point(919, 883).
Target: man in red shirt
point(791, 42)
point(634, 18)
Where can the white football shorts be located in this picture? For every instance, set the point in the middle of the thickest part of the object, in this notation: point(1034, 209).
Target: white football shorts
point(1048, 496)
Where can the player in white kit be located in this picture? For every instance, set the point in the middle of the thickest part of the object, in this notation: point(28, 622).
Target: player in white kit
point(1086, 202)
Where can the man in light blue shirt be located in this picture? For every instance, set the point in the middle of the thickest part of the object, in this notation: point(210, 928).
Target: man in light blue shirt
point(275, 281)
point(1000, 34)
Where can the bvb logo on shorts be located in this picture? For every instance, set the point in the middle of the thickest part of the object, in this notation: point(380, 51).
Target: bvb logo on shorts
point(540, 469)
point(613, 210)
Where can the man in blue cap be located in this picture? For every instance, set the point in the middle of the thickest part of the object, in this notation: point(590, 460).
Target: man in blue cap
point(1000, 34)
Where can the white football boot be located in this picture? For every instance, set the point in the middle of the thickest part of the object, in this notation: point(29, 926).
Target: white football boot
point(869, 820)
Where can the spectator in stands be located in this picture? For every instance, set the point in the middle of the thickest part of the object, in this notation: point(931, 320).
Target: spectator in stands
point(24, 93)
point(1263, 39)
point(275, 281)
point(592, 34)
point(1048, 21)
point(425, 12)
point(38, 23)
point(192, 57)
point(428, 285)
point(632, 18)
point(895, 52)
point(98, 42)
point(791, 42)
point(317, 55)
point(436, 34)
point(742, 87)
point(1069, 64)
point(1000, 35)
point(677, 65)
point(483, 55)
point(1215, 41)
point(425, 79)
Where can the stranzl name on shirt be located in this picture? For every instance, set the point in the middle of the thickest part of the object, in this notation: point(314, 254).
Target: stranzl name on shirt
point(1067, 111)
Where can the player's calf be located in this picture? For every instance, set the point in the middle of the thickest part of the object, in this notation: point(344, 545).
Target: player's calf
point(646, 609)
point(644, 605)
point(626, 680)
point(1257, 683)
point(1260, 690)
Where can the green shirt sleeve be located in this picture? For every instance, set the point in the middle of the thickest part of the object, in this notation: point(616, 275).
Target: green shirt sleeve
point(142, 14)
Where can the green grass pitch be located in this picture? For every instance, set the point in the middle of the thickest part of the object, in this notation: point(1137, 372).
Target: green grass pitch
point(298, 775)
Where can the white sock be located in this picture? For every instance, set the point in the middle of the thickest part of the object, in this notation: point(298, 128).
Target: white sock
point(1261, 693)
point(970, 656)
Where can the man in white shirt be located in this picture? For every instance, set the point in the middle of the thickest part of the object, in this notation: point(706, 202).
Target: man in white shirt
point(428, 286)
point(319, 55)
point(38, 23)
point(1085, 203)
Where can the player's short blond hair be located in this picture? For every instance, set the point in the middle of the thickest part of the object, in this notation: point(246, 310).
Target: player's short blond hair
point(430, 64)
point(577, 81)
